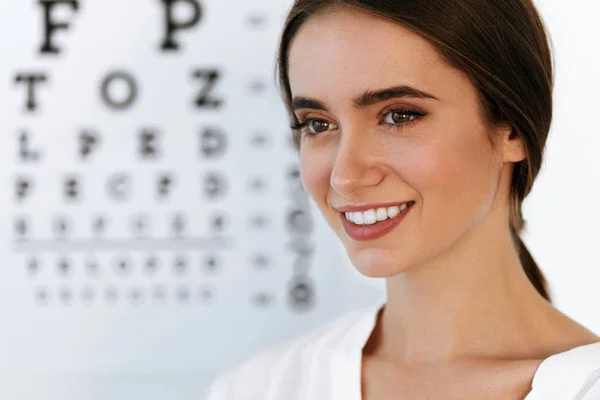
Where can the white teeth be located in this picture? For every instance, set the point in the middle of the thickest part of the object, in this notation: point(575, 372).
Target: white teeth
point(371, 216)
point(381, 214)
point(393, 211)
point(358, 218)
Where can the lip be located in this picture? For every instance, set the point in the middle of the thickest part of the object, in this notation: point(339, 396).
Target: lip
point(375, 231)
point(370, 206)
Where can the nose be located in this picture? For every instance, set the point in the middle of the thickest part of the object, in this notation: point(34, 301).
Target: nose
point(357, 163)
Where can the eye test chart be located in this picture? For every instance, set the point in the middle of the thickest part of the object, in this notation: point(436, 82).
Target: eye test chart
point(154, 226)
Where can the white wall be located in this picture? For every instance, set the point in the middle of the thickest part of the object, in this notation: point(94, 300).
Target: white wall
point(78, 343)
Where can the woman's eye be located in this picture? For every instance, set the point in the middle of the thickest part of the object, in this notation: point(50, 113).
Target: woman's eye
point(394, 117)
point(316, 126)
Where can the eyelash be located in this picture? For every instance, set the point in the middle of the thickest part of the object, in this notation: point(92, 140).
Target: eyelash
point(301, 126)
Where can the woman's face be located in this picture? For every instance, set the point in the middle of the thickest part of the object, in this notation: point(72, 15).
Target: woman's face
point(423, 142)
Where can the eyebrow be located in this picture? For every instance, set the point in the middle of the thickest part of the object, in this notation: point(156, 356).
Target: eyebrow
point(366, 99)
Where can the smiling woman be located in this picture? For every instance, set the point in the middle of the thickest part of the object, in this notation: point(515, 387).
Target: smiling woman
point(421, 127)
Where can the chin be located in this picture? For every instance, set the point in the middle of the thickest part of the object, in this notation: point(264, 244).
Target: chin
point(376, 263)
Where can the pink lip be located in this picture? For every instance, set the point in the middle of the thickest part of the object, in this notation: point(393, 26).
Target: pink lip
point(375, 231)
point(369, 206)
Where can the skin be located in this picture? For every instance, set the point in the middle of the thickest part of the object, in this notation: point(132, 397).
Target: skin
point(461, 313)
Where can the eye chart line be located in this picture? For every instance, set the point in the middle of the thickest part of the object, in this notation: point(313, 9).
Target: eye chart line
point(75, 245)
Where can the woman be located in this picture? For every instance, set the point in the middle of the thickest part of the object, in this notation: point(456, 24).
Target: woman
point(421, 127)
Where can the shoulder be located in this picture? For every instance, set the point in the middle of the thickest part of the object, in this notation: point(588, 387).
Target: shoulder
point(571, 374)
point(287, 365)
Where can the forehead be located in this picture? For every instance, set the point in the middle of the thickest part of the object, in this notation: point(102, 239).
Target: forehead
point(347, 51)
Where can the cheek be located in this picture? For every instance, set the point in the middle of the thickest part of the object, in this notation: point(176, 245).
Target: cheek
point(454, 175)
point(315, 169)
point(469, 172)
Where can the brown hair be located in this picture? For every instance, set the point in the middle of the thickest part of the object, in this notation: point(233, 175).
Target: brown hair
point(502, 46)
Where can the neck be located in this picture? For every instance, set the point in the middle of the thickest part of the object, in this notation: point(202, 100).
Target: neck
point(472, 301)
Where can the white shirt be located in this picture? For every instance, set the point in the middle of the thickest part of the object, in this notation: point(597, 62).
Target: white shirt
point(325, 364)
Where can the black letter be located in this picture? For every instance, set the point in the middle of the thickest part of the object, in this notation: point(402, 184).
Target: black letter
point(23, 188)
point(87, 142)
point(163, 184)
point(25, 153)
point(127, 101)
point(210, 76)
point(218, 223)
point(148, 147)
point(71, 188)
point(302, 293)
point(172, 25)
point(215, 185)
point(51, 26)
point(31, 80)
point(213, 142)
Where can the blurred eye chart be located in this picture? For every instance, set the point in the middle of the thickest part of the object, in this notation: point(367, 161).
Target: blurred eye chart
point(154, 226)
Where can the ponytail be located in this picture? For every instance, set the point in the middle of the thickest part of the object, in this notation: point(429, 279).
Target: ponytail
point(532, 270)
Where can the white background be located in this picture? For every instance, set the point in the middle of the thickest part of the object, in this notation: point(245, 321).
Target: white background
point(125, 351)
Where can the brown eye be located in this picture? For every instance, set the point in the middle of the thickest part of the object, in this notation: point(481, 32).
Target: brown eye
point(316, 126)
point(398, 117)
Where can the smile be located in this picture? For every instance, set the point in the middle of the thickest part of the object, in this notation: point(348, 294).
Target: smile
point(375, 222)
point(374, 215)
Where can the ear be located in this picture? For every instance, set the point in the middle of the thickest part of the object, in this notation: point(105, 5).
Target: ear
point(513, 147)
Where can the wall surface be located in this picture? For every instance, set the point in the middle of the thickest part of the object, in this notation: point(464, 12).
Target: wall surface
point(154, 228)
